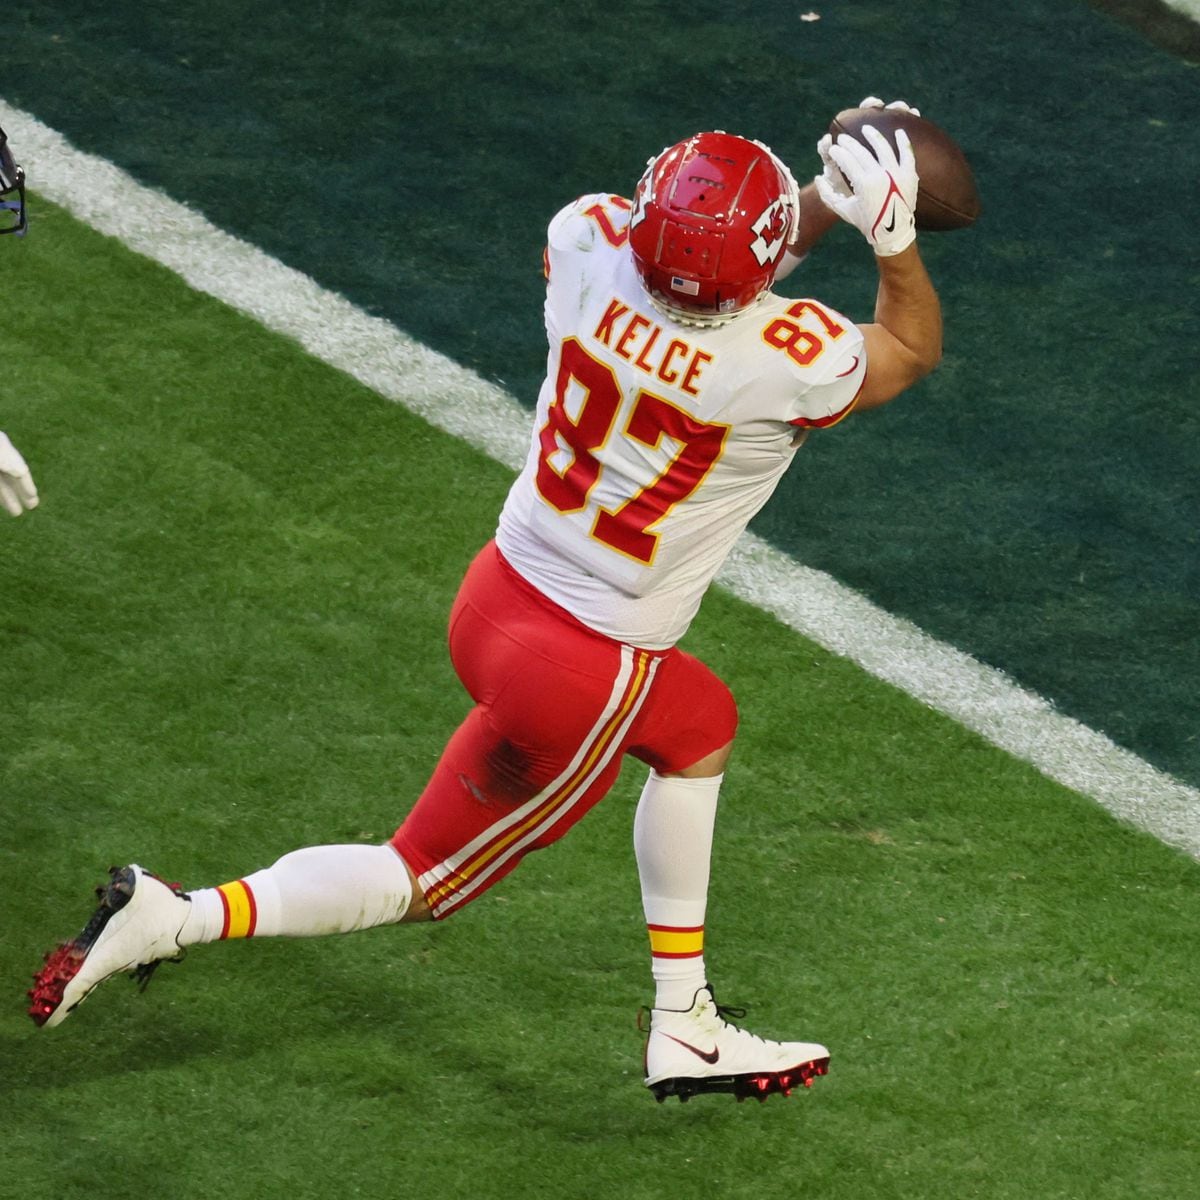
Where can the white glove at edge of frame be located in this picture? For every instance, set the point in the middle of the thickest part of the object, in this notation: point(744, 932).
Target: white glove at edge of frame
point(17, 490)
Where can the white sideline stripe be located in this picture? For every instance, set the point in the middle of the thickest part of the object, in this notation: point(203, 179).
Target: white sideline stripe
point(461, 403)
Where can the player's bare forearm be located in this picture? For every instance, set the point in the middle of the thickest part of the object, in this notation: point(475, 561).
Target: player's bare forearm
point(905, 342)
point(907, 306)
point(815, 222)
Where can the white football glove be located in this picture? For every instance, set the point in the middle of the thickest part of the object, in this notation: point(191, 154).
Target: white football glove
point(877, 193)
point(17, 492)
point(833, 176)
point(875, 102)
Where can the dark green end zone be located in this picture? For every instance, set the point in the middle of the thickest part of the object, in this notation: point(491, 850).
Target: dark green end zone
point(1034, 503)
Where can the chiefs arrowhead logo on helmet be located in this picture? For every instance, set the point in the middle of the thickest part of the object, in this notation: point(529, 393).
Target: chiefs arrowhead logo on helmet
point(772, 229)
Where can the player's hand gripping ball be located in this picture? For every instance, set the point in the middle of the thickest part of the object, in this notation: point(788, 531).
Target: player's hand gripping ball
point(948, 197)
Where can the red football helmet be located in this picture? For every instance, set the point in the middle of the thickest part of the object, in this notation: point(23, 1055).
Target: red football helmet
point(711, 218)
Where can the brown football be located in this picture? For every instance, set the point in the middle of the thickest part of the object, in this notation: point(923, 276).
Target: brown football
point(948, 197)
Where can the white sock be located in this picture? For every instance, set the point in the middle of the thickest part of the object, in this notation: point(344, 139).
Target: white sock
point(309, 892)
point(672, 839)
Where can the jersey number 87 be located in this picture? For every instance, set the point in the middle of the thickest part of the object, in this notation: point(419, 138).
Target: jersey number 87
point(568, 468)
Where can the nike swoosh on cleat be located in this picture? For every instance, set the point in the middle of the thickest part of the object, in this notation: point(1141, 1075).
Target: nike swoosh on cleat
point(709, 1056)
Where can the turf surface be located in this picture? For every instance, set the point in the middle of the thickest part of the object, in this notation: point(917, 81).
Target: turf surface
point(224, 629)
point(221, 635)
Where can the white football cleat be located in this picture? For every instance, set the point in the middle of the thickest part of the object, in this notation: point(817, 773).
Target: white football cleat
point(700, 1051)
point(135, 927)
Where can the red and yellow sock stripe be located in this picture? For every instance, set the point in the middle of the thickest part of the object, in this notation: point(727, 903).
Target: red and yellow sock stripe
point(241, 913)
point(674, 941)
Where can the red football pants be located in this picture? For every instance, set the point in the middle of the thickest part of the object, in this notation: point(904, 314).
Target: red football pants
point(557, 705)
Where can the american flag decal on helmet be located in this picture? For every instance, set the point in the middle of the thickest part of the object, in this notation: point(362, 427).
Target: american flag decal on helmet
point(689, 287)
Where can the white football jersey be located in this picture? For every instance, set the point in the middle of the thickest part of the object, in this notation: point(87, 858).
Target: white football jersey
point(655, 442)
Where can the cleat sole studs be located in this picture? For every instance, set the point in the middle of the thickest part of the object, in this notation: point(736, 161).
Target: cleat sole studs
point(741, 1087)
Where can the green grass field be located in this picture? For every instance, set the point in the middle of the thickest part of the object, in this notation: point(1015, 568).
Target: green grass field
point(223, 639)
point(222, 633)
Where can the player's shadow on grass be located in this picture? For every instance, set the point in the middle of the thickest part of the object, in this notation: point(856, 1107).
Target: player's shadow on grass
point(394, 1015)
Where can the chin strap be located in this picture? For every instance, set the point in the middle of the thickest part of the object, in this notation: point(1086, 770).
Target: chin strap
point(682, 316)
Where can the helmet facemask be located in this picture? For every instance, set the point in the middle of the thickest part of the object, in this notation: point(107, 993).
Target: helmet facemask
point(12, 179)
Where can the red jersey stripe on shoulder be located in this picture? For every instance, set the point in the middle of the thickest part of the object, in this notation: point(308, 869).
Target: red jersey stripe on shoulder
point(833, 418)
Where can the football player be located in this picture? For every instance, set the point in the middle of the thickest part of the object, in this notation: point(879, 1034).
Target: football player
point(17, 492)
point(679, 387)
